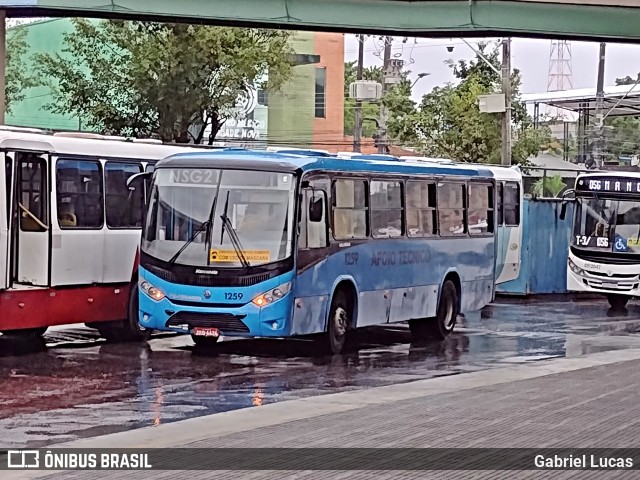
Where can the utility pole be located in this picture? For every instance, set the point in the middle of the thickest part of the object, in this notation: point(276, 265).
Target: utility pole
point(384, 113)
point(599, 127)
point(506, 90)
point(357, 134)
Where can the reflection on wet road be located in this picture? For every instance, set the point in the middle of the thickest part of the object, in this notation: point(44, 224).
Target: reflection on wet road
point(75, 385)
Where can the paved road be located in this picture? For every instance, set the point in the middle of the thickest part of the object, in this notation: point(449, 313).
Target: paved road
point(581, 403)
point(73, 385)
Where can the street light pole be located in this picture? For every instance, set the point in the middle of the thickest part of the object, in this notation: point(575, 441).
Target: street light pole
point(357, 134)
point(599, 130)
point(506, 90)
point(382, 135)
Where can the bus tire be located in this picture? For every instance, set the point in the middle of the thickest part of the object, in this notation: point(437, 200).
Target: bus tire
point(617, 301)
point(448, 311)
point(340, 318)
point(442, 325)
point(128, 330)
point(26, 333)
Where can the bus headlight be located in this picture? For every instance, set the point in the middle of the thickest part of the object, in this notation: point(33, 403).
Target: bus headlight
point(153, 292)
point(576, 269)
point(272, 295)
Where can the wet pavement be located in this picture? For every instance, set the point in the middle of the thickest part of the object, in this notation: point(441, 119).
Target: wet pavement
point(74, 385)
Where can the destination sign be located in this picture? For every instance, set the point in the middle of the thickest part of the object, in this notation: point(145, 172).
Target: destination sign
point(193, 176)
point(609, 185)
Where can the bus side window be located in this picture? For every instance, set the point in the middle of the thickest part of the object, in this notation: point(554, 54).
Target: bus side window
point(79, 194)
point(350, 209)
point(480, 218)
point(313, 231)
point(123, 207)
point(500, 204)
point(421, 208)
point(511, 204)
point(451, 208)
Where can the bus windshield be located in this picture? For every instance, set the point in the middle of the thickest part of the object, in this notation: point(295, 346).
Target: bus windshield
point(251, 219)
point(607, 224)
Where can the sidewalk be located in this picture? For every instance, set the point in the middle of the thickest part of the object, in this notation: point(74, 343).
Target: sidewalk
point(582, 402)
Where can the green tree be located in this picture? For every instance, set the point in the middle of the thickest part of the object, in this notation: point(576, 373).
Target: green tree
point(18, 78)
point(548, 187)
point(166, 80)
point(397, 100)
point(448, 122)
point(623, 137)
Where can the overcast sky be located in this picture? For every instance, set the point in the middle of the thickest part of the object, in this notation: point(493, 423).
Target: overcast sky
point(529, 55)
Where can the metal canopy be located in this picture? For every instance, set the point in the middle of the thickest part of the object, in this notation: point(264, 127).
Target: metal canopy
point(579, 19)
point(619, 100)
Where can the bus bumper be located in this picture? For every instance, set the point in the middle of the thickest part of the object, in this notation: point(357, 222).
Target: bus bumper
point(597, 278)
point(235, 320)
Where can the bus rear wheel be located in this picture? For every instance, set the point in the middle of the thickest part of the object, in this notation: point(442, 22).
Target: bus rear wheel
point(128, 330)
point(617, 301)
point(443, 324)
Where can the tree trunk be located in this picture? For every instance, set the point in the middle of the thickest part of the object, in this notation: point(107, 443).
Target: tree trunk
point(216, 125)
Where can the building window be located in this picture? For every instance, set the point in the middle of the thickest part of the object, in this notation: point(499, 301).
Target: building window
point(263, 98)
point(350, 209)
point(421, 208)
point(79, 194)
point(123, 207)
point(321, 92)
point(511, 204)
point(451, 209)
point(480, 218)
point(386, 208)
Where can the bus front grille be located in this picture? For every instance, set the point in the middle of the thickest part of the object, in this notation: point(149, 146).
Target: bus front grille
point(225, 322)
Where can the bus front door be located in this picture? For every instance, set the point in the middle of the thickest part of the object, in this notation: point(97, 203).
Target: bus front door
point(30, 225)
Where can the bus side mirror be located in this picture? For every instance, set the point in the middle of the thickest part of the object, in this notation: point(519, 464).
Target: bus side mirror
point(316, 209)
point(565, 200)
point(137, 177)
point(563, 210)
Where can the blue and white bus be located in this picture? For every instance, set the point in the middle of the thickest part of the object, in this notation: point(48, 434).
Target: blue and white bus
point(261, 244)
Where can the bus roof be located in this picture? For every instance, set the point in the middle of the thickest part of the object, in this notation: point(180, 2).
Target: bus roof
point(87, 144)
point(281, 161)
point(609, 173)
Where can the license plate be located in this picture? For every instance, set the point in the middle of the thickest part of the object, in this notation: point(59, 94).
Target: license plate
point(206, 332)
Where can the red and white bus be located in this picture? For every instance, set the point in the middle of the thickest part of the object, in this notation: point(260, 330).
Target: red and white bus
point(70, 229)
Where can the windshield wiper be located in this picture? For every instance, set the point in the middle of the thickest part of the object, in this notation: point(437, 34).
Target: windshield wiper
point(188, 242)
point(233, 236)
point(210, 220)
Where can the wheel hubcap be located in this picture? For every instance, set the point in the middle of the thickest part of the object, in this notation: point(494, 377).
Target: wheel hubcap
point(449, 318)
point(340, 322)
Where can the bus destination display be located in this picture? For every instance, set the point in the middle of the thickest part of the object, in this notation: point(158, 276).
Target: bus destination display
point(609, 184)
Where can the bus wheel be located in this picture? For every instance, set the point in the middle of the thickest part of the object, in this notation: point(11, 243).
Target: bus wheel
point(26, 333)
point(132, 330)
point(442, 325)
point(617, 301)
point(447, 311)
point(339, 321)
point(128, 330)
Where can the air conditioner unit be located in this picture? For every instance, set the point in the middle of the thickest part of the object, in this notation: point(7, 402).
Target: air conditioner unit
point(365, 90)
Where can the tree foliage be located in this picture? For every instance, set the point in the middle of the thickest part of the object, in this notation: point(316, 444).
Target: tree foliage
point(18, 78)
point(549, 187)
point(166, 80)
point(623, 137)
point(448, 122)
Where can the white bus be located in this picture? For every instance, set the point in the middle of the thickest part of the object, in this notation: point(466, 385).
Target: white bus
point(70, 229)
point(604, 247)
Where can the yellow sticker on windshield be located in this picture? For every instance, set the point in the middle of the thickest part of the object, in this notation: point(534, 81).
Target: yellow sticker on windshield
point(633, 242)
point(232, 256)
